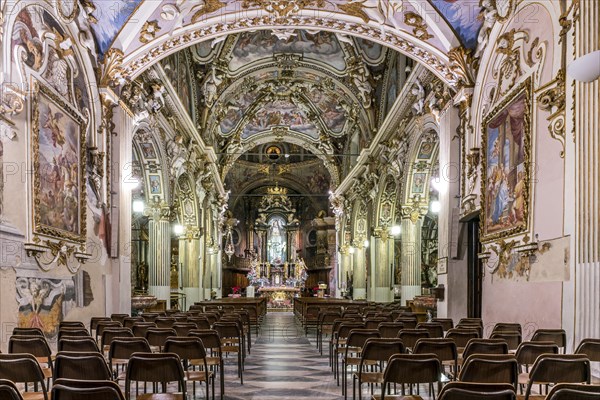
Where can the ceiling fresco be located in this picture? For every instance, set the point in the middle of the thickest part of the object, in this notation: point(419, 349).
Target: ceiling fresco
point(280, 113)
point(111, 16)
point(465, 18)
point(320, 47)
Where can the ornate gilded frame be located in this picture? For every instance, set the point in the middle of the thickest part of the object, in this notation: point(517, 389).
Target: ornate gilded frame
point(524, 88)
point(43, 93)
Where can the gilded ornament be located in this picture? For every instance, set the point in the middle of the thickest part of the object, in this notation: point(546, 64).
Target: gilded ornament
point(112, 73)
point(418, 24)
point(206, 7)
point(552, 99)
point(283, 8)
point(462, 63)
point(149, 31)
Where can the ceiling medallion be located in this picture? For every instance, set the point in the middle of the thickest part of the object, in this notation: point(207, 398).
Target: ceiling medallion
point(273, 152)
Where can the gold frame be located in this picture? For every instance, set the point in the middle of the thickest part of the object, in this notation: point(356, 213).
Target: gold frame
point(38, 90)
point(524, 88)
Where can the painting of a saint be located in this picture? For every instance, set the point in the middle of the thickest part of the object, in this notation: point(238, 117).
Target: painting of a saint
point(506, 168)
point(418, 184)
point(58, 169)
point(425, 151)
point(148, 150)
point(155, 187)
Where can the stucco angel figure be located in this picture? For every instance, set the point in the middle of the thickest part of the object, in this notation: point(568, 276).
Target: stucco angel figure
point(419, 92)
point(489, 15)
point(211, 86)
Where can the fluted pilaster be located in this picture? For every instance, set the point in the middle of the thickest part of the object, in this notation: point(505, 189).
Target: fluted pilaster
point(411, 258)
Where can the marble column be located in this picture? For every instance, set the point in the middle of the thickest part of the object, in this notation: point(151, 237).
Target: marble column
point(159, 252)
point(411, 257)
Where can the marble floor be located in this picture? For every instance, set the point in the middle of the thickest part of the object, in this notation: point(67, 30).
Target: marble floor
point(284, 364)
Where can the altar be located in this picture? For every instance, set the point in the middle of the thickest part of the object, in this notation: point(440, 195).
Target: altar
point(279, 298)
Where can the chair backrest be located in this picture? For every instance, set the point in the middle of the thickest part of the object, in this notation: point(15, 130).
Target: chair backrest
point(447, 323)
point(477, 391)
point(228, 329)
point(77, 343)
point(122, 348)
point(157, 336)
point(373, 322)
point(200, 322)
point(513, 339)
point(444, 349)
point(344, 328)
point(507, 327)
point(558, 336)
point(34, 345)
point(165, 322)
point(22, 368)
point(109, 334)
point(128, 322)
point(559, 368)
point(470, 326)
point(471, 321)
point(84, 366)
point(591, 348)
point(411, 368)
point(462, 335)
point(27, 332)
point(490, 368)
point(102, 325)
point(573, 391)
point(410, 336)
point(72, 331)
point(409, 323)
point(119, 317)
point(9, 391)
point(68, 389)
point(381, 349)
point(210, 339)
point(358, 337)
point(139, 329)
point(94, 322)
point(435, 329)
point(186, 347)
point(154, 367)
point(528, 352)
point(389, 329)
point(70, 324)
point(183, 328)
point(485, 346)
point(149, 317)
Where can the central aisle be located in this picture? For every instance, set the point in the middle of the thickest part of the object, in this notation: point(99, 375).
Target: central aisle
point(284, 364)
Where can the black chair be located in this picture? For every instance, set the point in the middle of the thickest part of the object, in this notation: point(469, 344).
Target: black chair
point(9, 391)
point(24, 368)
point(477, 391)
point(81, 366)
point(572, 391)
point(156, 368)
point(70, 389)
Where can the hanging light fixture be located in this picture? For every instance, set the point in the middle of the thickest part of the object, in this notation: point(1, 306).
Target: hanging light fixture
point(229, 247)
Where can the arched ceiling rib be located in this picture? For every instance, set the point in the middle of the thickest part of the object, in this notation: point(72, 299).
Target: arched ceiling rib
point(146, 31)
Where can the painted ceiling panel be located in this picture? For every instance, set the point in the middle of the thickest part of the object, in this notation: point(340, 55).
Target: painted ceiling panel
point(280, 113)
point(322, 46)
point(111, 15)
point(464, 17)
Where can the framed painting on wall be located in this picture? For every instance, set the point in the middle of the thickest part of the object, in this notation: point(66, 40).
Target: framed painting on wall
point(442, 265)
point(506, 144)
point(155, 184)
point(58, 151)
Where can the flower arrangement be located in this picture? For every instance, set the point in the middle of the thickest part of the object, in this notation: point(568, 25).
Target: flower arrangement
point(236, 289)
point(252, 276)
